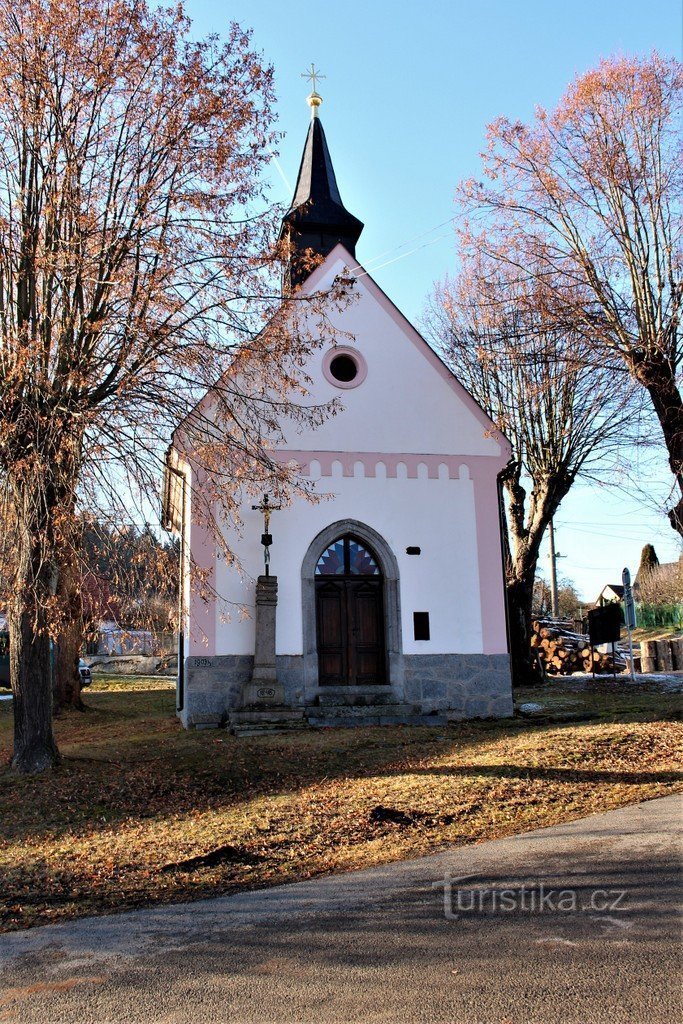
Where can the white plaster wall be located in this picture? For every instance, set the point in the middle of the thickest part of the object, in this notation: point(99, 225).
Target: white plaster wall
point(186, 567)
point(435, 515)
point(405, 404)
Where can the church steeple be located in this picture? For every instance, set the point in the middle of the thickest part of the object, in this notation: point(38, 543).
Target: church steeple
point(317, 219)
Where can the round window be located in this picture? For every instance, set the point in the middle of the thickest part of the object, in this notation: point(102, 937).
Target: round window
point(344, 369)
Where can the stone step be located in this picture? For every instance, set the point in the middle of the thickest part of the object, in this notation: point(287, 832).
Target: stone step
point(266, 715)
point(361, 711)
point(252, 722)
point(267, 730)
point(245, 723)
point(353, 696)
point(324, 721)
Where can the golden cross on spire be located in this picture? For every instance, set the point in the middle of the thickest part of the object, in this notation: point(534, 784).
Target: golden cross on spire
point(312, 75)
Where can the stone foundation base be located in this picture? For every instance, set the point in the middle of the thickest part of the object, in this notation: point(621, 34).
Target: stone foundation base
point(458, 685)
point(462, 685)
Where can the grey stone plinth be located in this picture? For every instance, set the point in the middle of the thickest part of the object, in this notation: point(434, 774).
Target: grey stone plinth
point(213, 685)
point(290, 674)
point(266, 611)
point(460, 685)
point(456, 685)
point(263, 688)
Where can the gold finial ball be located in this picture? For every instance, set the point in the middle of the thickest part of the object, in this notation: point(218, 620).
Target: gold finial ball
point(314, 100)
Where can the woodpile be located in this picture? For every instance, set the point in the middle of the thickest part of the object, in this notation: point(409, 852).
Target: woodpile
point(563, 651)
point(661, 654)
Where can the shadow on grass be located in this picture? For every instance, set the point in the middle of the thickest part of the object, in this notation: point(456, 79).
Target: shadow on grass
point(128, 757)
point(533, 773)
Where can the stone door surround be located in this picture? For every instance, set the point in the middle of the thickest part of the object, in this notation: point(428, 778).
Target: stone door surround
point(392, 606)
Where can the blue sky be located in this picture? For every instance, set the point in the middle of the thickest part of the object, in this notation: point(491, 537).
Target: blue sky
point(409, 89)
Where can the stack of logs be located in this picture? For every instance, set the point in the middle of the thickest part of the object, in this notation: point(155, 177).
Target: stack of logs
point(563, 651)
point(661, 654)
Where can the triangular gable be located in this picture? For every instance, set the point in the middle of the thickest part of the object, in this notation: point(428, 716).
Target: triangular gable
point(340, 252)
point(313, 283)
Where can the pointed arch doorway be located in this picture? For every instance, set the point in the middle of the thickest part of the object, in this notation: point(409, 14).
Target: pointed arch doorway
point(349, 615)
point(386, 603)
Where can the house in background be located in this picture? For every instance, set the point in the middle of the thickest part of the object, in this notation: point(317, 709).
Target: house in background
point(610, 593)
point(390, 593)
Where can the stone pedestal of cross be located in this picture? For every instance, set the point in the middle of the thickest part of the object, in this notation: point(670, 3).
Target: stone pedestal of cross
point(263, 689)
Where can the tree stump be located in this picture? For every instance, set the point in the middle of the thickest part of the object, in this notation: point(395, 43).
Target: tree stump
point(677, 652)
point(648, 656)
point(664, 658)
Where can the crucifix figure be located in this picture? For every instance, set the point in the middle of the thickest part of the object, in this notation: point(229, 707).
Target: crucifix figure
point(266, 538)
point(312, 75)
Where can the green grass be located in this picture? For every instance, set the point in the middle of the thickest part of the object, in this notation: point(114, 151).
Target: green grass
point(105, 681)
point(650, 633)
point(603, 699)
point(108, 681)
point(136, 795)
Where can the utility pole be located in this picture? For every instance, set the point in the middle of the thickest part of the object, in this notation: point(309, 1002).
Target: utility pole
point(554, 604)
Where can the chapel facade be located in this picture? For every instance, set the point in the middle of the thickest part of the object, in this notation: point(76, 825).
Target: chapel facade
point(385, 601)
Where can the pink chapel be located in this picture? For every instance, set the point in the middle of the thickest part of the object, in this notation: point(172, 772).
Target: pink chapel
point(385, 602)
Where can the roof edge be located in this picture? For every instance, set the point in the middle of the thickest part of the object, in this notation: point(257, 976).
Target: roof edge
point(411, 331)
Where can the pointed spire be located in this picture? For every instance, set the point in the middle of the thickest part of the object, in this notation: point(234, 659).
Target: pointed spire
point(317, 219)
point(317, 182)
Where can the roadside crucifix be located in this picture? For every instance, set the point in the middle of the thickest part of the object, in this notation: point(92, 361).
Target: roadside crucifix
point(266, 538)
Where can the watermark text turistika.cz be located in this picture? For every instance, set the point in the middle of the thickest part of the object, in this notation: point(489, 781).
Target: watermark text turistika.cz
point(460, 901)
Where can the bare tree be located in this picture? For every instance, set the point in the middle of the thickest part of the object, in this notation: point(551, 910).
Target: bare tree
point(561, 416)
point(586, 200)
point(656, 583)
point(569, 602)
point(135, 272)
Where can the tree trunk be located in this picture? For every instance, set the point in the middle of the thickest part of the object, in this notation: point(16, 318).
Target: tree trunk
point(35, 749)
point(675, 515)
point(521, 548)
point(660, 381)
point(67, 678)
point(524, 666)
point(43, 488)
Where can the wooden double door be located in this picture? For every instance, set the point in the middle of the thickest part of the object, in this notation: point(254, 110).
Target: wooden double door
point(350, 630)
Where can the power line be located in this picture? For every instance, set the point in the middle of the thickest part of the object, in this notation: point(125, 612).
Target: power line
point(617, 532)
point(409, 241)
point(627, 526)
point(401, 257)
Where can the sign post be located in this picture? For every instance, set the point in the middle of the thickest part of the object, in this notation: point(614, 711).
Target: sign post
point(629, 614)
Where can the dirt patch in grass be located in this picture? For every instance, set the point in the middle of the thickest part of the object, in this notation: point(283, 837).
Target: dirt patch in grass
point(142, 812)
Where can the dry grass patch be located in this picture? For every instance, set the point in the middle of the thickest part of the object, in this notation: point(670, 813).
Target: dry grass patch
point(136, 796)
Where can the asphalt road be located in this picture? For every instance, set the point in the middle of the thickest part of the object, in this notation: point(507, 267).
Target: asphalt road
point(377, 946)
